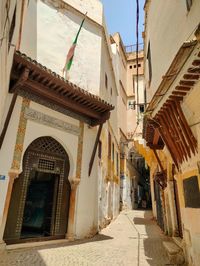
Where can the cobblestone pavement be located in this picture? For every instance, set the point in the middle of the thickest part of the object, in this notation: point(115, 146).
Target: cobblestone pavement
point(132, 239)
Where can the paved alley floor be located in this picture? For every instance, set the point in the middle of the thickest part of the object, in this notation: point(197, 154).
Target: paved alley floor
point(132, 239)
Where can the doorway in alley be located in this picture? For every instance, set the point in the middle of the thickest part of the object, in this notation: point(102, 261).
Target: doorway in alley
point(41, 194)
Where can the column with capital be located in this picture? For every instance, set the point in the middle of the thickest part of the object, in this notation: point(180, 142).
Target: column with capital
point(70, 232)
point(15, 167)
point(74, 184)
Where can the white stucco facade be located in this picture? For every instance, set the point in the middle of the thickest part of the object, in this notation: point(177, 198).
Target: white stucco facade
point(165, 44)
point(49, 29)
point(158, 31)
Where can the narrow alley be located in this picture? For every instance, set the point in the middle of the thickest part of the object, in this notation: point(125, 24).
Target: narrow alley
point(134, 235)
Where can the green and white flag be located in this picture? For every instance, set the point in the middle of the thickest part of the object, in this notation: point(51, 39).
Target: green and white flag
point(70, 55)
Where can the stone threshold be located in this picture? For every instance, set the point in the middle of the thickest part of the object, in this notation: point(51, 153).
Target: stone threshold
point(36, 244)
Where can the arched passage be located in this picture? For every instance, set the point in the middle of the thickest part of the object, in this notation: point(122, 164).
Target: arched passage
point(40, 198)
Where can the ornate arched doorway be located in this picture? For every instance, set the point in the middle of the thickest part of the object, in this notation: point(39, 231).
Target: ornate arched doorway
point(40, 198)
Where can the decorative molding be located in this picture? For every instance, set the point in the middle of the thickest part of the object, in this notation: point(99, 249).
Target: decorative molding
point(74, 183)
point(47, 120)
point(20, 136)
point(52, 106)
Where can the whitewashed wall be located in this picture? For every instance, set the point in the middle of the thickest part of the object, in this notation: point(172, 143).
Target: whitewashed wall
point(169, 24)
point(7, 151)
point(6, 55)
point(86, 219)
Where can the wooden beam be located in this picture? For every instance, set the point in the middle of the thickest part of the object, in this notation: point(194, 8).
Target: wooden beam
point(165, 137)
point(174, 117)
point(42, 91)
point(95, 149)
point(190, 137)
point(196, 62)
point(171, 135)
point(182, 88)
point(175, 126)
point(22, 78)
point(179, 93)
point(158, 160)
point(156, 136)
point(187, 82)
point(176, 98)
point(194, 70)
point(191, 76)
point(9, 114)
point(180, 117)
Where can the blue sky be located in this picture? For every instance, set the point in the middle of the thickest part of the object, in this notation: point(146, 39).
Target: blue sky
point(121, 17)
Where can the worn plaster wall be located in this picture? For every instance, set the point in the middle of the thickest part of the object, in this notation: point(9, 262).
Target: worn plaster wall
point(29, 31)
point(6, 153)
point(6, 51)
point(162, 17)
point(50, 47)
point(86, 218)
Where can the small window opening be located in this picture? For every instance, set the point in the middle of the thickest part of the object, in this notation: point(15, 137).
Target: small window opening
point(141, 108)
point(12, 28)
point(106, 80)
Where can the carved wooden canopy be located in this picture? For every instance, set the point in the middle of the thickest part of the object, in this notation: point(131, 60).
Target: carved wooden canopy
point(30, 77)
point(169, 121)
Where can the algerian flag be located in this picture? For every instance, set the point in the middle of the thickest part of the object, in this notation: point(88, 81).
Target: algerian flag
point(70, 55)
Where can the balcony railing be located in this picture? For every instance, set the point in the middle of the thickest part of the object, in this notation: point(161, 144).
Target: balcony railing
point(132, 48)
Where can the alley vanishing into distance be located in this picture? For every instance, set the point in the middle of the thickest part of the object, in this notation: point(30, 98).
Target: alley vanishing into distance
point(134, 235)
point(99, 133)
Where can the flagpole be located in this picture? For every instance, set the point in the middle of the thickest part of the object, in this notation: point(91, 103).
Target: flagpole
point(70, 55)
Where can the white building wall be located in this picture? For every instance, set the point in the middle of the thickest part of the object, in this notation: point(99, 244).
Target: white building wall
point(29, 31)
point(6, 54)
point(6, 153)
point(86, 219)
point(166, 32)
point(48, 34)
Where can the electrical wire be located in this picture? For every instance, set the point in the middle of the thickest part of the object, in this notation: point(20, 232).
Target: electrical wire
point(137, 50)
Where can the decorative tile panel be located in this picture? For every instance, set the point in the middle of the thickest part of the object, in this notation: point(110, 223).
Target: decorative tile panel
point(51, 121)
point(20, 136)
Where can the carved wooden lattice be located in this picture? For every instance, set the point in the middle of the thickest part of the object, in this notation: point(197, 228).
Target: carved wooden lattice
point(49, 145)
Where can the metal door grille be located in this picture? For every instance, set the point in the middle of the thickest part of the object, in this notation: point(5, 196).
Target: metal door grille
point(46, 165)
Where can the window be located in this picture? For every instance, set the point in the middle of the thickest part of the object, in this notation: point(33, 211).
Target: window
point(132, 157)
point(191, 192)
point(106, 81)
point(100, 150)
point(131, 104)
point(141, 108)
point(139, 65)
point(149, 62)
point(110, 91)
point(130, 67)
point(188, 4)
point(12, 27)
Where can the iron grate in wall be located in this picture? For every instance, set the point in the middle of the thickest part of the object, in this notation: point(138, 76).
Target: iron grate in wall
point(44, 164)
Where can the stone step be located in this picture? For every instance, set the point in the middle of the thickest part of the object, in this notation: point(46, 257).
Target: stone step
point(175, 253)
